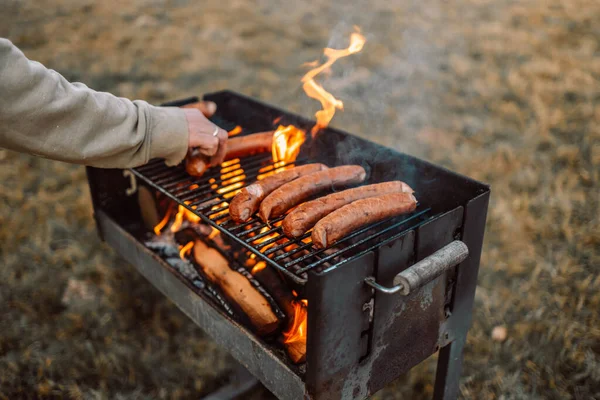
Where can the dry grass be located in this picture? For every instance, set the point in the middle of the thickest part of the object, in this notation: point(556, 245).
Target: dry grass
point(506, 92)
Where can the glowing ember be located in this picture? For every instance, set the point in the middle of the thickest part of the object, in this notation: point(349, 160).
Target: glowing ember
point(295, 336)
point(273, 169)
point(265, 238)
point(185, 250)
point(214, 233)
point(218, 214)
point(317, 92)
point(235, 131)
point(258, 267)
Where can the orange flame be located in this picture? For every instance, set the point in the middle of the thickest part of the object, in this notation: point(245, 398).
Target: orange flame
point(163, 222)
point(185, 250)
point(295, 336)
point(258, 267)
point(214, 233)
point(317, 92)
point(264, 239)
point(183, 214)
point(286, 143)
point(235, 131)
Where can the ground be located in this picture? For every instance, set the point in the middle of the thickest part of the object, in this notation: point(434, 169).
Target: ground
point(507, 92)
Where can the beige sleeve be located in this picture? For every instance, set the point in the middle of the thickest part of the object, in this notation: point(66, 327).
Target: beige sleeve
point(41, 113)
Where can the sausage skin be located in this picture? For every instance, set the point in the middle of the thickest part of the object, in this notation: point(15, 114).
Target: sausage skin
point(247, 201)
point(196, 165)
point(249, 144)
point(306, 215)
point(296, 191)
point(360, 213)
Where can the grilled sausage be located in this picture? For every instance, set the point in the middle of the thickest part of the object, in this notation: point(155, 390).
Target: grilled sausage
point(296, 191)
point(247, 201)
point(196, 164)
point(306, 215)
point(249, 144)
point(360, 213)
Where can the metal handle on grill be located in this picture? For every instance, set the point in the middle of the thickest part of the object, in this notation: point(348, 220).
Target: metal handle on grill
point(425, 270)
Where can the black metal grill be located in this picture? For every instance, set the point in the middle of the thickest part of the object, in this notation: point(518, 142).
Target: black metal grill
point(204, 196)
point(358, 340)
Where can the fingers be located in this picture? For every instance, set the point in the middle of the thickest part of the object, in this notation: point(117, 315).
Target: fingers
point(202, 136)
point(219, 156)
point(208, 108)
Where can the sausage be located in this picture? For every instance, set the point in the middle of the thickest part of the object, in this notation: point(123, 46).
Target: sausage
point(196, 164)
point(249, 144)
point(247, 201)
point(360, 213)
point(296, 191)
point(306, 215)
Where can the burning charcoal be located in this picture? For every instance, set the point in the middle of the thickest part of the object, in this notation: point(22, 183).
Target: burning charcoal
point(184, 267)
point(262, 291)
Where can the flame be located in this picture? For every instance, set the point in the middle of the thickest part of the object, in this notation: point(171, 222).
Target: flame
point(185, 250)
point(214, 233)
point(162, 223)
point(295, 336)
point(235, 131)
point(218, 214)
point(264, 239)
point(317, 92)
point(273, 169)
point(232, 177)
point(286, 143)
point(258, 267)
point(183, 214)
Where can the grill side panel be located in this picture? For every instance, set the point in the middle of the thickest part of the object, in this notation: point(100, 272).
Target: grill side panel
point(336, 320)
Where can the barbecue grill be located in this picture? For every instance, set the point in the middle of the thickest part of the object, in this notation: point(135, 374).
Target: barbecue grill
point(380, 300)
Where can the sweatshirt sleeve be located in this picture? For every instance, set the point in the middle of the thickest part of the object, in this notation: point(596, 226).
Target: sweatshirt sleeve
point(41, 113)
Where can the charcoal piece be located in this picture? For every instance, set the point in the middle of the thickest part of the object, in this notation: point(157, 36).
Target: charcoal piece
point(164, 249)
point(199, 283)
point(184, 267)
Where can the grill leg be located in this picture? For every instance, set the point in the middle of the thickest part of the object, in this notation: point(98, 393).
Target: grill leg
point(451, 356)
point(447, 377)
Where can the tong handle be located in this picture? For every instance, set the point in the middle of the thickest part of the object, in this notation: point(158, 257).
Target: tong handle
point(425, 270)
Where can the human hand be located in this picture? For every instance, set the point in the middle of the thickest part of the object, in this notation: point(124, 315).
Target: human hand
point(202, 132)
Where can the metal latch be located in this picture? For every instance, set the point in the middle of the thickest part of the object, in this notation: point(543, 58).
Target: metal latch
point(425, 270)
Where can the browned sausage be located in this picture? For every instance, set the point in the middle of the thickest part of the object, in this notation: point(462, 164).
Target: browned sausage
point(247, 201)
point(360, 213)
point(197, 164)
point(247, 145)
point(306, 215)
point(296, 191)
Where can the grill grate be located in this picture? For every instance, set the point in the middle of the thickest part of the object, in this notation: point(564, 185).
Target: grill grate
point(207, 197)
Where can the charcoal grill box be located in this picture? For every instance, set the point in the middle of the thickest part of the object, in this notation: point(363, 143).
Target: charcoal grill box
point(360, 338)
